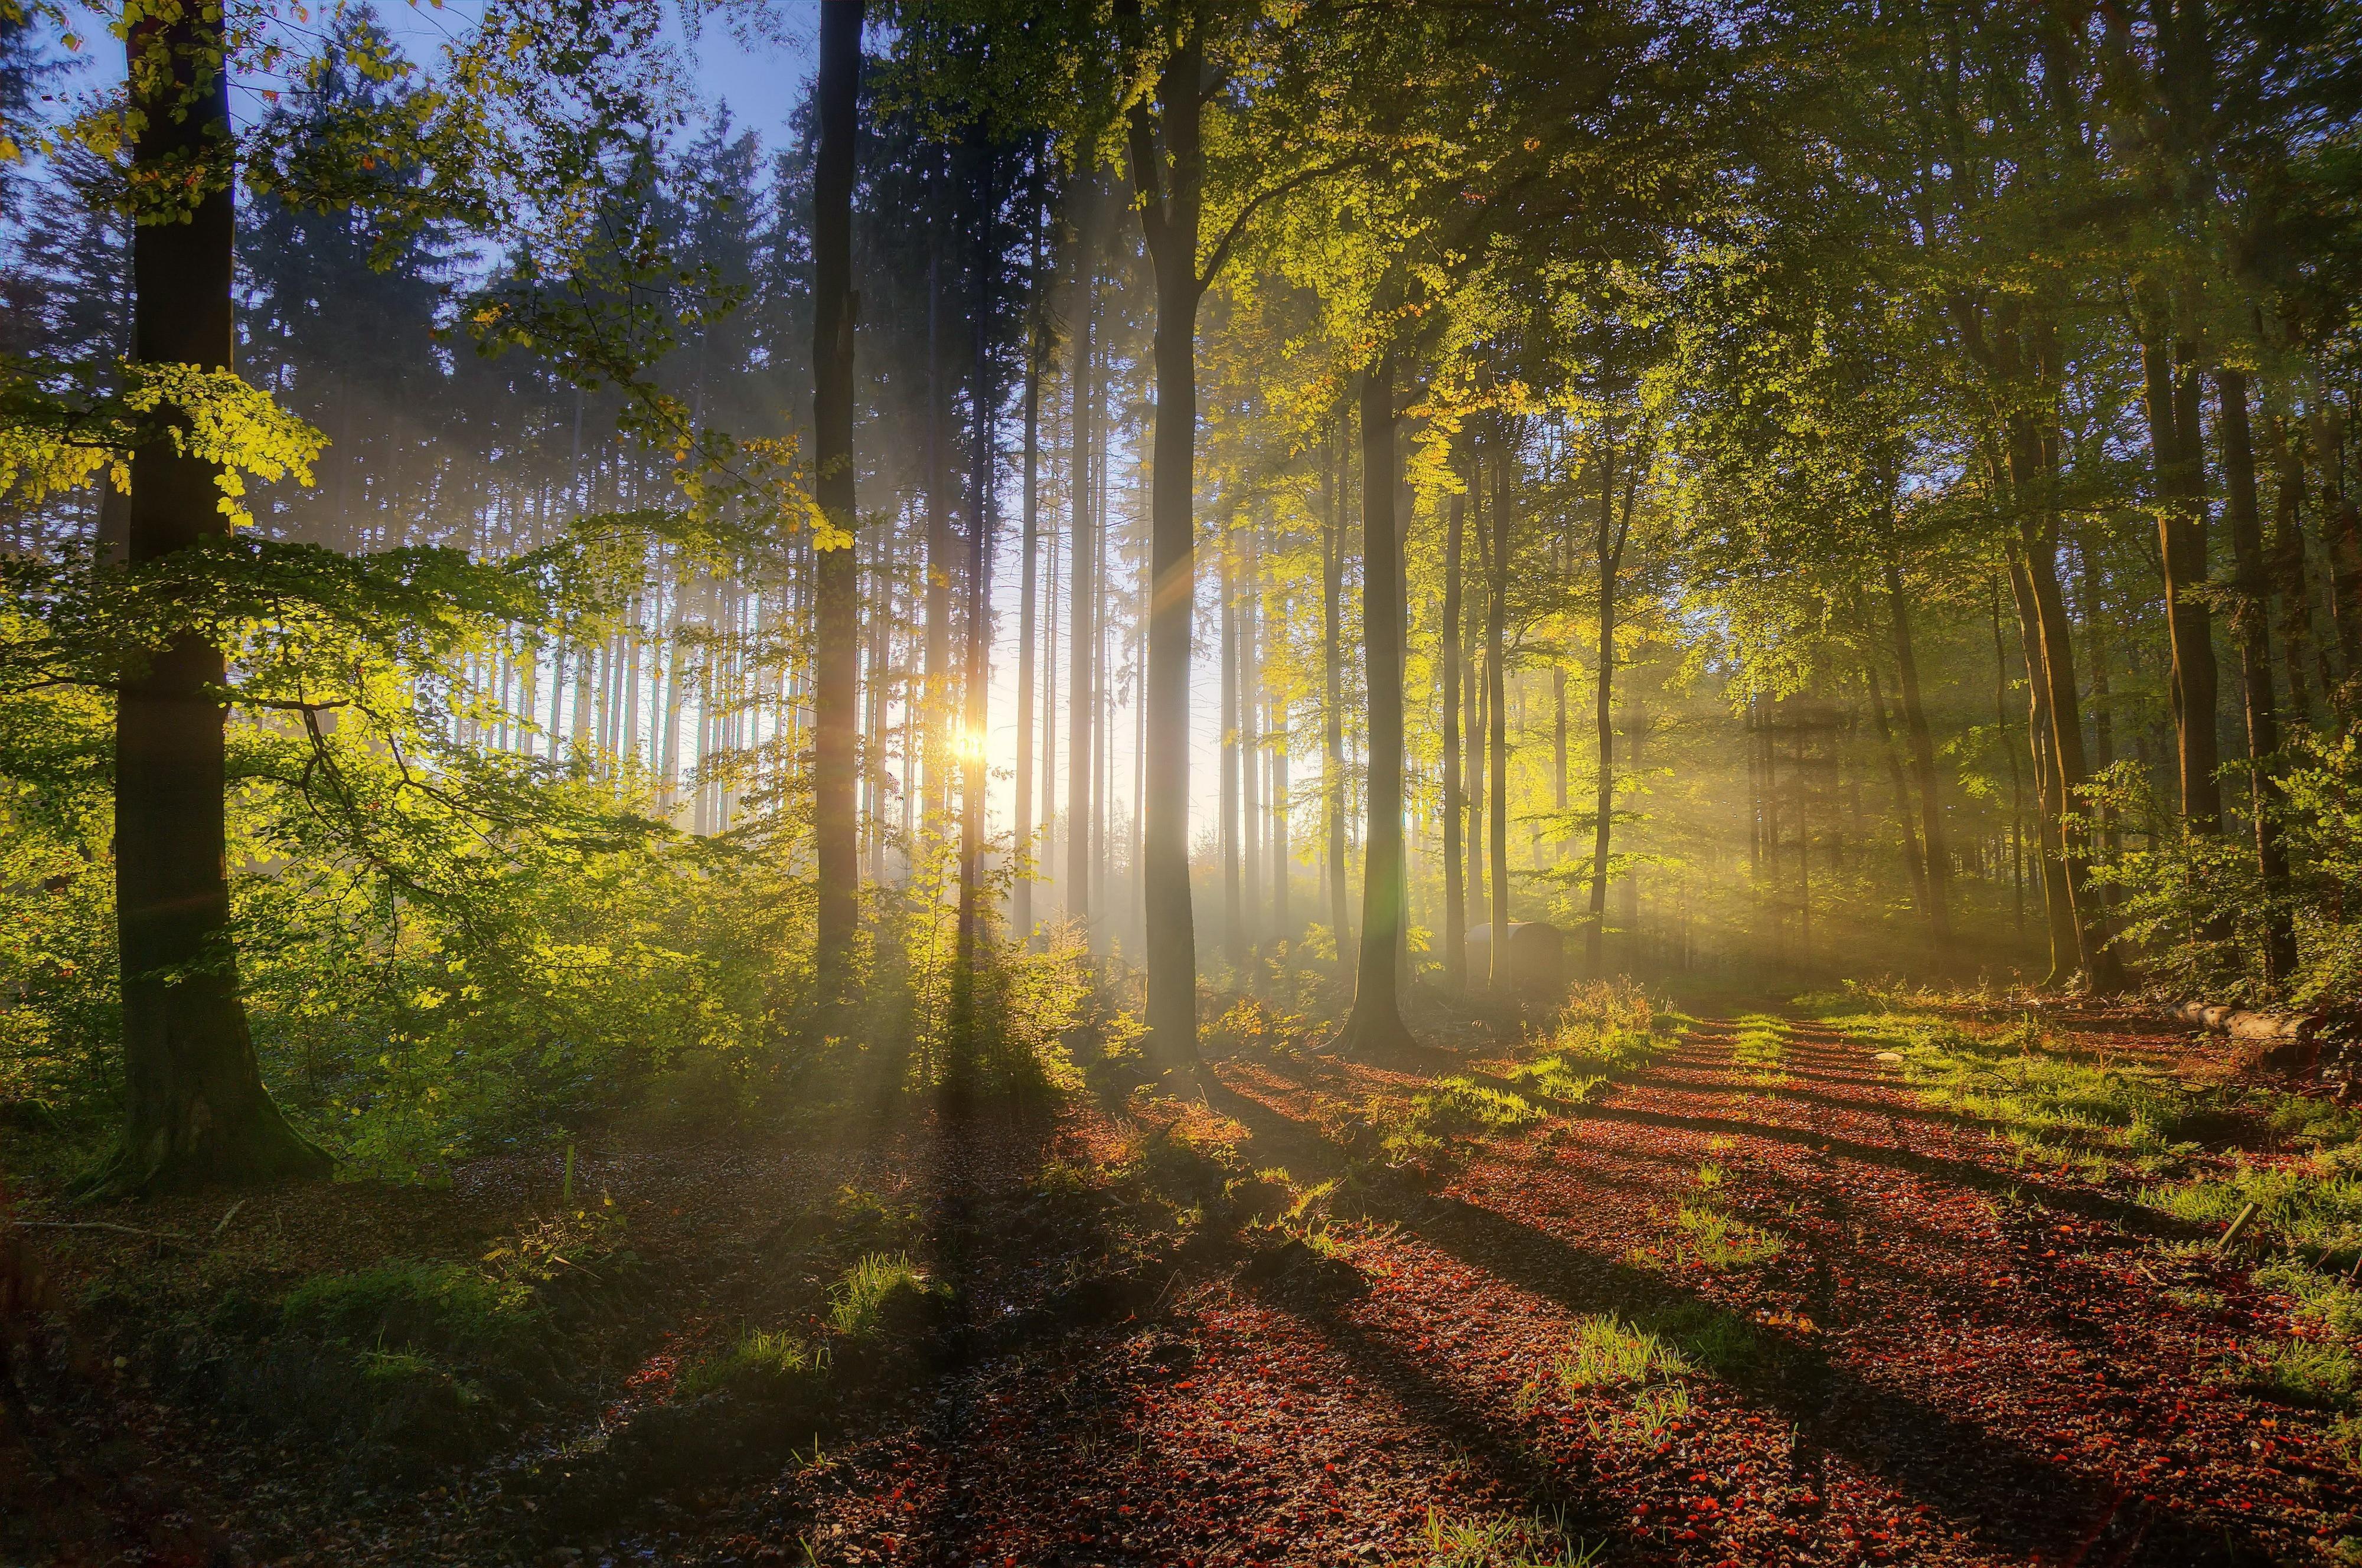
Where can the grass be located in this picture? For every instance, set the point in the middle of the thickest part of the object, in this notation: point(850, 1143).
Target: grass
point(1608, 1352)
point(436, 1308)
point(1554, 1077)
point(760, 1361)
point(1760, 1049)
point(875, 1291)
point(1505, 1541)
point(2322, 1299)
point(1714, 1235)
point(2318, 1372)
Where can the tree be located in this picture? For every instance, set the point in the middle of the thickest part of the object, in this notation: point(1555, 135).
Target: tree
point(837, 634)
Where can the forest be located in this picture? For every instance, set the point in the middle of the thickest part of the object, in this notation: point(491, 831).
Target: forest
point(1540, 783)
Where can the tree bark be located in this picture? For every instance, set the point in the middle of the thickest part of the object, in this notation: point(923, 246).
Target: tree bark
point(196, 1111)
point(1455, 888)
point(2251, 623)
point(836, 641)
point(1332, 677)
point(1375, 1027)
point(976, 676)
point(1082, 639)
point(1496, 726)
point(1608, 556)
point(1029, 552)
point(2050, 790)
point(2181, 536)
point(1911, 857)
point(1234, 935)
point(1923, 747)
point(1167, 169)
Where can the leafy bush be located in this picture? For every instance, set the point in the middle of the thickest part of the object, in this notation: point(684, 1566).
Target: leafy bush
point(437, 1308)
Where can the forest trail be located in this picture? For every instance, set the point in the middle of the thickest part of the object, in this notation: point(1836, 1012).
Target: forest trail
point(1759, 1305)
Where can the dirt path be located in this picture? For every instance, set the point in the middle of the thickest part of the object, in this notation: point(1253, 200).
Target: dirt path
point(1946, 1361)
point(1895, 1345)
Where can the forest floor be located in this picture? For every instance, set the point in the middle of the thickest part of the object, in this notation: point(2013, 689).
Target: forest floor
point(1755, 1300)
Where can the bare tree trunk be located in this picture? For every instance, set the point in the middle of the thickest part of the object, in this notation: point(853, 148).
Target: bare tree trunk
point(1609, 555)
point(836, 639)
point(1903, 818)
point(1250, 752)
point(1028, 612)
point(196, 1111)
point(2050, 789)
point(1376, 1026)
point(1496, 705)
point(1227, 825)
point(1455, 888)
point(1168, 179)
point(2292, 587)
point(1332, 767)
point(2182, 529)
point(975, 680)
point(1922, 746)
point(2251, 623)
point(1081, 641)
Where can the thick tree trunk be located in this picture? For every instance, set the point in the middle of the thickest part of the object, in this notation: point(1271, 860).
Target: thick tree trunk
point(196, 1111)
point(1923, 749)
point(2251, 623)
point(1375, 1027)
point(1168, 178)
point(1455, 888)
point(836, 640)
point(1251, 755)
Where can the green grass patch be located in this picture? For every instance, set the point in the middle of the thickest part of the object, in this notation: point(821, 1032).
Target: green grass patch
point(760, 1361)
point(2318, 1372)
point(438, 1309)
point(1504, 1540)
point(1605, 1352)
point(879, 1293)
point(1760, 1049)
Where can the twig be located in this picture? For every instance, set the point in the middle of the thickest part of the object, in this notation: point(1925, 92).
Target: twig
point(228, 1218)
point(2239, 1227)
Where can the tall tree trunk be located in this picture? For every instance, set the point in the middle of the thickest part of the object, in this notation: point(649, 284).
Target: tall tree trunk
point(976, 678)
point(2050, 788)
point(2290, 578)
point(1027, 609)
point(941, 563)
point(1608, 558)
point(1168, 179)
point(1376, 1026)
point(2251, 623)
point(1332, 678)
point(1497, 714)
point(2342, 532)
point(194, 1106)
point(1227, 827)
point(1250, 751)
point(1911, 857)
point(1455, 888)
point(1081, 594)
point(2181, 536)
point(1922, 746)
point(836, 638)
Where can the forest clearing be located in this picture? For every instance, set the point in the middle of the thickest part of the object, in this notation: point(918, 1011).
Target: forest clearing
point(1180, 783)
